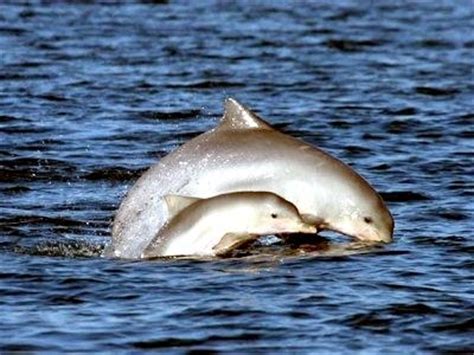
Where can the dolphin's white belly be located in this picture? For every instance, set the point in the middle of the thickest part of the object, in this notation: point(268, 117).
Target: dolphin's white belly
point(193, 242)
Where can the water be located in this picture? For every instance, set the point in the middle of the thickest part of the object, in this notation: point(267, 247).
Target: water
point(92, 94)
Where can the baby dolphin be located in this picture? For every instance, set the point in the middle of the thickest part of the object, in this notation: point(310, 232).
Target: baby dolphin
point(214, 226)
point(244, 153)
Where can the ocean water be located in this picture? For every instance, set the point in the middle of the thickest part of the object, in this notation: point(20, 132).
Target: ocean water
point(92, 93)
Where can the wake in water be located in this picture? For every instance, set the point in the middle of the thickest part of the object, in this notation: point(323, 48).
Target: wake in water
point(68, 248)
point(265, 248)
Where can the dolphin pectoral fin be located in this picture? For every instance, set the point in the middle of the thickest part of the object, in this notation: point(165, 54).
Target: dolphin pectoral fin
point(230, 241)
point(237, 116)
point(177, 203)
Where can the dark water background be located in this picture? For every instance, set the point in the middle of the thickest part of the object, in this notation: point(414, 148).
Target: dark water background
point(92, 94)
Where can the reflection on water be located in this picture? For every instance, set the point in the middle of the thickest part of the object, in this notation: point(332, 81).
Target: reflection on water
point(267, 248)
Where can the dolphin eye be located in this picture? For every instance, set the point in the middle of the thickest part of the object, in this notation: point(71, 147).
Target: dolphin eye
point(274, 215)
point(367, 220)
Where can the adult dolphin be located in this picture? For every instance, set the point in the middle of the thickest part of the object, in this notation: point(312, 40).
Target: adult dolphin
point(244, 153)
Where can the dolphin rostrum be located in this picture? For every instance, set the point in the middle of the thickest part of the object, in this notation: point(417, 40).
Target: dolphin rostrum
point(215, 226)
point(244, 153)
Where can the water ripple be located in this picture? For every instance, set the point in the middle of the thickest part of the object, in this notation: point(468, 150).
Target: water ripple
point(94, 92)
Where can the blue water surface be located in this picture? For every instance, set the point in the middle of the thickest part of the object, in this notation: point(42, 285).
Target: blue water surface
point(92, 93)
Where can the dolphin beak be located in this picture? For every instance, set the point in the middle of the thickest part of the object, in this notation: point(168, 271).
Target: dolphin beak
point(379, 239)
point(385, 233)
point(386, 236)
point(377, 236)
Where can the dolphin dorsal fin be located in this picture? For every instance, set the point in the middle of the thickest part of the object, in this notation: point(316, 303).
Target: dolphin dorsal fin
point(237, 116)
point(177, 203)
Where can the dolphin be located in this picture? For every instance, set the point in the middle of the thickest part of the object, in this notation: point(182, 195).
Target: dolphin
point(244, 153)
point(215, 226)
